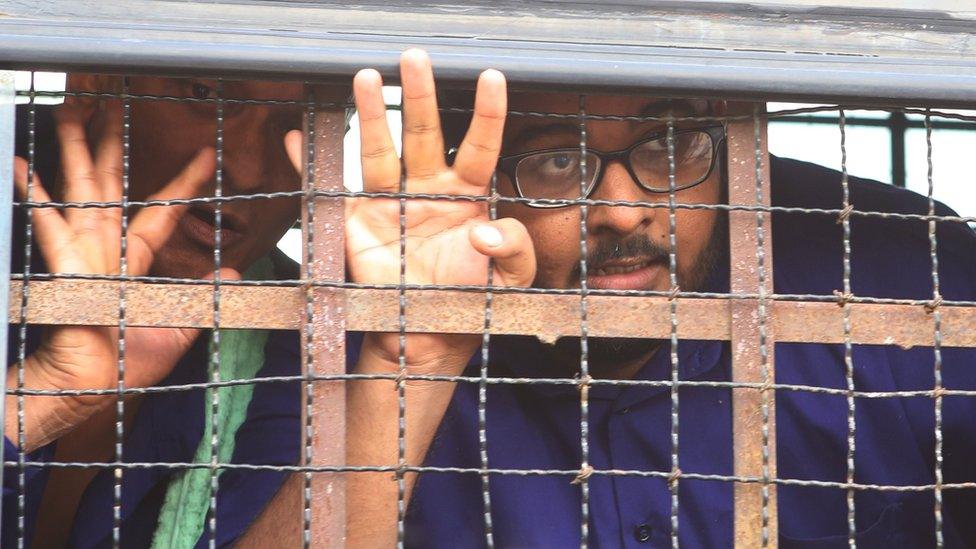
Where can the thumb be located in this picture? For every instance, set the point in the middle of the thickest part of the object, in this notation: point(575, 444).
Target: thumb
point(294, 146)
point(507, 242)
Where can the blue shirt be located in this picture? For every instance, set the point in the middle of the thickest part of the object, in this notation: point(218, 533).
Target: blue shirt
point(537, 426)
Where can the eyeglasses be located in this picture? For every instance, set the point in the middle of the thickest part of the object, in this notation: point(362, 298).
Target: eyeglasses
point(555, 173)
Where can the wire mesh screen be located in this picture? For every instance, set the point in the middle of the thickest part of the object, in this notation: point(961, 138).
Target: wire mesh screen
point(624, 387)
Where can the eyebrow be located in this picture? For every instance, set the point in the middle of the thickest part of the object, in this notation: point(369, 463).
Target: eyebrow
point(532, 132)
point(679, 107)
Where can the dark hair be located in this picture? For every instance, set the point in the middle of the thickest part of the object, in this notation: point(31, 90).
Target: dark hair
point(455, 114)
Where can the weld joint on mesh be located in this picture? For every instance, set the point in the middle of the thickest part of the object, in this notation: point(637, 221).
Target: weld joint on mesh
point(584, 382)
point(931, 306)
point(843, 298)
point(845, 214)
point(401, 469)
point(673, 477)
point(586, 471)
point(673, 293)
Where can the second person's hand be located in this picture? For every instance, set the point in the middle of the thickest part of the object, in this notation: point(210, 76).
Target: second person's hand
point(88, 241)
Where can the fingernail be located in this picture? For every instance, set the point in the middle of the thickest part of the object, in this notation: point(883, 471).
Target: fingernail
point(489, 235)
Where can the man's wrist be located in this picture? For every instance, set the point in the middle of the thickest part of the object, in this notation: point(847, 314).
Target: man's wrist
point(46, 417)
point(425, 354)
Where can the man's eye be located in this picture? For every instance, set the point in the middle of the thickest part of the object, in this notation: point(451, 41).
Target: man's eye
point(202, 91)
point(558, 164)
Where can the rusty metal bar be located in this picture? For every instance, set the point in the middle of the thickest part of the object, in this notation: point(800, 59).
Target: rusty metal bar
point(447, 311)
point(753, 411)
point(324, 500)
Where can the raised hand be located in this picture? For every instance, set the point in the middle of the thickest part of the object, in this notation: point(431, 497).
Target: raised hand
point(87, 241)
point(448, 242)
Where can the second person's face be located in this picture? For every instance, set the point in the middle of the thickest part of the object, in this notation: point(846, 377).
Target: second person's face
point(627, 247)
point(167, 134)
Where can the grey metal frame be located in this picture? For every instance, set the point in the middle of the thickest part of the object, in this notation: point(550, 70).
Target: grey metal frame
point(7, 116)
point(825, 49)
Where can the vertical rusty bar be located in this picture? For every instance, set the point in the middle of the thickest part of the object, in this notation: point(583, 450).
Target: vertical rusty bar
point(754, 452)
point(325, 260)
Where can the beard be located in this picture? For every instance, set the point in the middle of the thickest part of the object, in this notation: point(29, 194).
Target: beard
point(605, 355)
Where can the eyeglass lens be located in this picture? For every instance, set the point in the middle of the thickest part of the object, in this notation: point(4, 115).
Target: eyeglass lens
point(556, 174)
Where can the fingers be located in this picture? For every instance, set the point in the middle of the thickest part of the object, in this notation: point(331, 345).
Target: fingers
point(478, 153)
point(423, 144)
point(76, 161)
point(380, 164)
point(50, 229)
point(508, 243)
point(294, 146)
point(154, 225)
point(37, 191)
point(108, 156)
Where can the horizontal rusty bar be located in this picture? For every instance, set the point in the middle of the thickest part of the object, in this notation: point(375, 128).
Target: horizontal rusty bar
point(545, 315)
point(166, 305)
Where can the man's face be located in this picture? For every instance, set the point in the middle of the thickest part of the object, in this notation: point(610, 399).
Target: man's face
point(167, 134)
point(627, 247)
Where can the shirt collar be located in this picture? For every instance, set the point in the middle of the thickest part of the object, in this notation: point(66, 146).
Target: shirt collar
point(527, 360)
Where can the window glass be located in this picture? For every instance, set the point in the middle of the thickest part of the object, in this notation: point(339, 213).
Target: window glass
point(952, 174)
point(43, 82)
point(868, 147)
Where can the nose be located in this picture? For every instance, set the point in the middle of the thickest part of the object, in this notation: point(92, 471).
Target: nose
point(243, 161)
point(617, 185)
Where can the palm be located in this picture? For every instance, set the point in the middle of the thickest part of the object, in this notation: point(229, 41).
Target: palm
point(439, 247)
point(445, 242)
point(89, 241)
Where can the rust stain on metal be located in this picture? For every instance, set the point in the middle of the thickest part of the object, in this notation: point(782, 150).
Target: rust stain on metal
point(747, 404)
point(161, 305)
point(545, 316)
point(327, 230)
point(450, 311)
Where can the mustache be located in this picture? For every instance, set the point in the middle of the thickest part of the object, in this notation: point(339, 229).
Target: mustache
point(639, 246)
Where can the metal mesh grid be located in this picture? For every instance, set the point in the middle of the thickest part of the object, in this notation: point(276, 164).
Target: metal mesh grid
point(761, 297)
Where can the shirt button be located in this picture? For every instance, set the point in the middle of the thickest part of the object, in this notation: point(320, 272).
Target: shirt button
point(623, 411)
point(642, 533)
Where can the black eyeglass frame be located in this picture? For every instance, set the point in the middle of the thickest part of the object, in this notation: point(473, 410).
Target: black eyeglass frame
point(508, 165)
